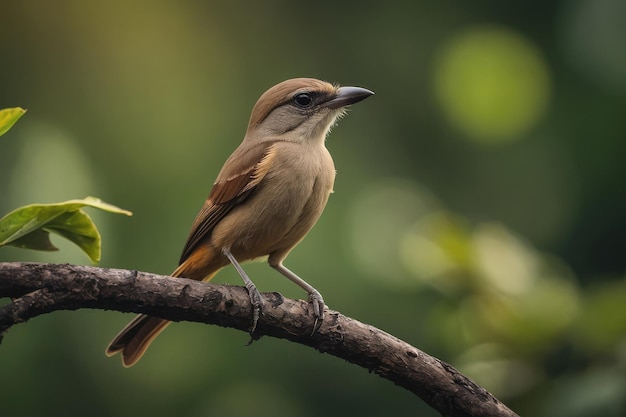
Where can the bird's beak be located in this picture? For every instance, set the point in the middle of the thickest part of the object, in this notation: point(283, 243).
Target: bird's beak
point(346, 96)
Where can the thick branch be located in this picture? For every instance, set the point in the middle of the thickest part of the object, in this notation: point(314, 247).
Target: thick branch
point(42, 288)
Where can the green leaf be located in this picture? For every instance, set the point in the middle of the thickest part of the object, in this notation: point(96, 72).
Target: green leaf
point(38, 239)
point(8, 117)
point(30, 226)
point(77, 227)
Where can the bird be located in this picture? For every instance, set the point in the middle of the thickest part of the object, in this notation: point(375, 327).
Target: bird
point(267, 196)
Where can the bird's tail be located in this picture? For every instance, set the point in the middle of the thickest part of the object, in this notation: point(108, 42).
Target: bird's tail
point(133, 340)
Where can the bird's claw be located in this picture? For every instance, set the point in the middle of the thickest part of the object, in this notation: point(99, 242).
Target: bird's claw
point(257, 308)
point(318, 310)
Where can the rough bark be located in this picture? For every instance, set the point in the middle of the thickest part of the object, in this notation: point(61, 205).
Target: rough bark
point(42, 288)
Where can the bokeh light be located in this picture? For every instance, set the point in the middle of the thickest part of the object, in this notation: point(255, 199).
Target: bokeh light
point(380, 217)
point(492, 83)
point(437, 250)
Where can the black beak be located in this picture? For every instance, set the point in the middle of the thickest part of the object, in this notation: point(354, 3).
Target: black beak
point(348, 95)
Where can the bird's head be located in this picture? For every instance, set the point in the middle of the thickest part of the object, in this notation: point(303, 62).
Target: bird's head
point(301, 109)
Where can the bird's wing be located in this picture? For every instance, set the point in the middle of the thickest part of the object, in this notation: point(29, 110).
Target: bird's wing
point(233, 186)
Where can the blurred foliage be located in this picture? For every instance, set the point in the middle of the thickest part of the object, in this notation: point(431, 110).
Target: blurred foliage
point(479, 212)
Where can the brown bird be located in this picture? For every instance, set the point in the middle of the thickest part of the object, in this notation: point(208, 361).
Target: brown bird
point(268, 195)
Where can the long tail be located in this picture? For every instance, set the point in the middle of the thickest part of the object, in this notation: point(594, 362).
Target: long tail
point(133, 340)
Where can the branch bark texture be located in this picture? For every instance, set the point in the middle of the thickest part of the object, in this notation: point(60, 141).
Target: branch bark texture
point(43, 288)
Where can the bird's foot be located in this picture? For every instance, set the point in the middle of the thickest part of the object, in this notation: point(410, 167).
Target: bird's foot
point(318, 310)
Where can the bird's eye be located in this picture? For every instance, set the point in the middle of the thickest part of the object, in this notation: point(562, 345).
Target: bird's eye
point(303, 100)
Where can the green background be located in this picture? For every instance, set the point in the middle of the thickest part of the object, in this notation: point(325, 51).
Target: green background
point(479, 210)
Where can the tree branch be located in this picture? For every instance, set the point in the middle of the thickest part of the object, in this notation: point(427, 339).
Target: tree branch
point(42, 288)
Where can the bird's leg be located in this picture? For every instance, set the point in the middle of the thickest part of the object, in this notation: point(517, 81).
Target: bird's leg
point(253, 292)
point(314, 295)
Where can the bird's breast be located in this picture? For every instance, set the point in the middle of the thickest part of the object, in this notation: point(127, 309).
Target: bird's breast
point(299, 185)
point(286, 203)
